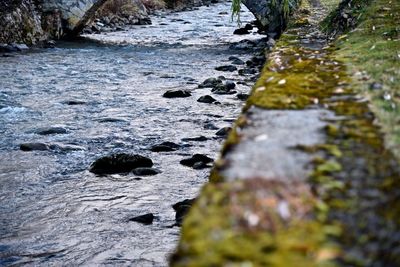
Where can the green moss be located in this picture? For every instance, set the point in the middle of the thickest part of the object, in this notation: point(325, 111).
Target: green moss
point(243, 229)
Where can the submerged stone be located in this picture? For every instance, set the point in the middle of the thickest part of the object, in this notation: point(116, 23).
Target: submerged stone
point(51, 130)
point(143, 171)
point(144, 219)
point(34, 146)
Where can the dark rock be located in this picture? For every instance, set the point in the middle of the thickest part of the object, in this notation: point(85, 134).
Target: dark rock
point(210, 82)
point(238, 62)
point(119, 163)
point(242, 96)
point(200, 165)
point(243, 45)
point(74, 102)
point(248, 27)
point(223, 131)
point(375, 86)
point(226, 68)
point(210, 126)
point(51, 130)
point(206, 99)
point(177, 93)
point(196, 158)
point(247, 71)
point(195, 139)
point(165, 147)
point(49, 44)
point(105, 120)
point(144, 219)
point(181, 209)
point(143, 171)
point(34, 146)
point(241, 31)
point(230, 85)
point(66, 147)
point(222, 90)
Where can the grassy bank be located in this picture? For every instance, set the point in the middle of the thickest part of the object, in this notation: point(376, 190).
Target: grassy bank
point(371, 52)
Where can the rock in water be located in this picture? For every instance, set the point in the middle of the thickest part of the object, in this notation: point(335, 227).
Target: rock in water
point(51, 130)
point(34, 146)
point(242, 96)
point(241, 31)
point(210, 82)
point(143, 171)
point(165, 147)
point(206, 99)
point(182, 208)
point(197, 160)
point(223, 131)
point(119, 163)
point(195, 139)
point(176, 93)
point(226, 68)
point(144, 219)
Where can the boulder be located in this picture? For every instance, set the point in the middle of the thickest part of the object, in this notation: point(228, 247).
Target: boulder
point(196, 159)
point(34, 146)
point(165, 147)
point(177, 94)
point(206, 99)
point(119, 163)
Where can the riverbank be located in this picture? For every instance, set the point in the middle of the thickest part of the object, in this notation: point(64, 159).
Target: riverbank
point(305, 178)
point(28, 23)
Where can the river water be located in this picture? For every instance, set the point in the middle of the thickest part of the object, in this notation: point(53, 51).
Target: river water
point(52, 210)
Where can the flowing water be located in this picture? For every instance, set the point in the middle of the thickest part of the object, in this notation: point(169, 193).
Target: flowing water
point(52, 210)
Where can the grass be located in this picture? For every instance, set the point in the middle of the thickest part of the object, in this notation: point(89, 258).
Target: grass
point(372, 54)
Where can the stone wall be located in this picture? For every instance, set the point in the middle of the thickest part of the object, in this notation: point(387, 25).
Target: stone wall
point(20, 22)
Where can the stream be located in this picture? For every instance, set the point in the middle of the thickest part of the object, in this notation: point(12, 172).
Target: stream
point(105, 93)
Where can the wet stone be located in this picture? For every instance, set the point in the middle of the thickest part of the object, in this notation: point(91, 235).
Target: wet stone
point(195, 139)
point(210, 126)
point(237, 61)
point(51, 130)
point(182, 208)
point(242, 96)
point(229, 68)
point(196, 159)
point(143, 171)
point(165, 147)
point(230, 85)
point(206, 99)
point(34, 146)
point(223, 131)
point(177, 94)
point(241, 31)
point(119, 163)
point(144, 219)
point(247, 71)
point(74, 102)
point(210, 82)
